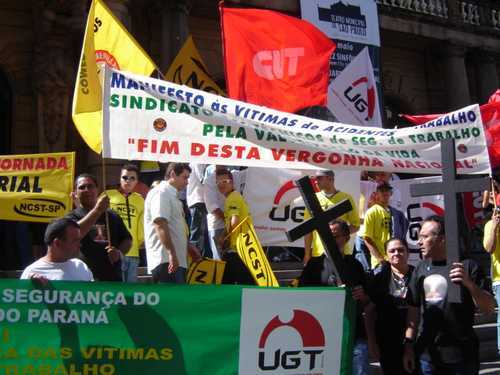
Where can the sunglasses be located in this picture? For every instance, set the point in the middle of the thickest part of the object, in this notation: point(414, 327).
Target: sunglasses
point(128, 178)
point(220, 182)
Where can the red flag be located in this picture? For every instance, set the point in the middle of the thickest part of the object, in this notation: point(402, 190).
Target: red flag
point(490, 114)
point(274, 60)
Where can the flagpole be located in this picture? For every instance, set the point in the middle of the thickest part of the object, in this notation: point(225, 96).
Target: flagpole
point(106, 215)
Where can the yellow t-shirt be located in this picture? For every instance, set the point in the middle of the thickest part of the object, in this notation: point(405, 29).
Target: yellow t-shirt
point(326, 202)
point(495, 256)
point(131, 211)
point(235, 205)
point(377, 226)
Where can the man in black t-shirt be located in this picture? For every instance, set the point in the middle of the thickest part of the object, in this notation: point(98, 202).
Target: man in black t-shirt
point(446, 341)
point(319, 272)
point(102, 256)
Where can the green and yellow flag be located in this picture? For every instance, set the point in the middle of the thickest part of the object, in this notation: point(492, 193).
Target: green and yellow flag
point(188, 69)
point(106, 41)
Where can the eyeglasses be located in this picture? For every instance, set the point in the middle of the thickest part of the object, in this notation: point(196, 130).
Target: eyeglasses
point(127, 178)
point(220, 182)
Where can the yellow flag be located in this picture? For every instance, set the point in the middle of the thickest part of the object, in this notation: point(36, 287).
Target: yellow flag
point(206, 271)
point(253, 256)
point(188, 69)
point(106, 41)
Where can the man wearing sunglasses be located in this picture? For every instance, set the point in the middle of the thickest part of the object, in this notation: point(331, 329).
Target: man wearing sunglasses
point(130, 206)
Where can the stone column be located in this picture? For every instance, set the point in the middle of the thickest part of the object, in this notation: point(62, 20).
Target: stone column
point(455, 75)
point(487, 75)
point(174, 30)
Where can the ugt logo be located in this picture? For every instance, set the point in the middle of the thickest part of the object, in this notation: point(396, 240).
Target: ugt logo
point(308, 354)
point(296, 214)
point(362, 101)
point(276, 64)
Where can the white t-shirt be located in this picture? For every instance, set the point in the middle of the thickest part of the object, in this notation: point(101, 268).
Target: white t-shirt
point(71, 270)
point(163, 202)
point(195, 188)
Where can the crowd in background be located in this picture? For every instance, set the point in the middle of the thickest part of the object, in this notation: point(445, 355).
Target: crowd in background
point(404, 316)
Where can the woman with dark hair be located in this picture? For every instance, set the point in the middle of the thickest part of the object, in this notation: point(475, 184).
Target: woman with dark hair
point(388, 290)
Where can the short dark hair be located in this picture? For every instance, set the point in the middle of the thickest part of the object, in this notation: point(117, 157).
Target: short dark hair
point(178, 168)
point(402, 240)
point(130, 168)
point(384, 186)
point(438, 220)
point(87, 175)
point(57, 229)
point(224, 172)
point(344, 227)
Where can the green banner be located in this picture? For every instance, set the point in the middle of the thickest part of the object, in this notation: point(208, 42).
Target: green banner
point(113, 328)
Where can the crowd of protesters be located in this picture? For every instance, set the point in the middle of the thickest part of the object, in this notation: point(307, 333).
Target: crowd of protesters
point(404, 317)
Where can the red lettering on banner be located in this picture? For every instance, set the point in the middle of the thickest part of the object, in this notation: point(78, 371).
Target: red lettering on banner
point(166, 147)
point(169, 147)
point(142, 144)
point(197, 149)
point(277, 153)
point(253, 153)
point(17, 164)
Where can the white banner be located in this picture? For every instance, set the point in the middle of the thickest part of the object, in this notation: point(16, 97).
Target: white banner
point(278, 207)
point(150, 119)
point(352, 96)
point(352, 20)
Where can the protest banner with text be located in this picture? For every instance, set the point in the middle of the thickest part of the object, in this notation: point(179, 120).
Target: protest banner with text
point(36, 187)
point(107, 329)
point(150, 119)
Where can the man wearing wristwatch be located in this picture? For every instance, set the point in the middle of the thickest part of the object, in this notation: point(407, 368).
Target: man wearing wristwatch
point(446, 342)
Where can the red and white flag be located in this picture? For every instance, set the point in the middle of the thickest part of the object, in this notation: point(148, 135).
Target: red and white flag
point(352, 96)
point(490, 114)
point(274, 60)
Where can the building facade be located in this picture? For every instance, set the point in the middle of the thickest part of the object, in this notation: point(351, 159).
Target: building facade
point(436, 55)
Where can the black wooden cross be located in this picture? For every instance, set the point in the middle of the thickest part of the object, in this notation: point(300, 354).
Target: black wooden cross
point(450, 187)
point(319, 221)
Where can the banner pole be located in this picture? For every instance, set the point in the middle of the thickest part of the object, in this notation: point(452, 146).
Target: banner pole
point(493, 191)
point(106, 215)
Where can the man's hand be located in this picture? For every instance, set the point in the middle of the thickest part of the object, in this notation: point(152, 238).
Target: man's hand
point(74, 198)
point(307, 258)
point(194, 253)
point(102, 203)
point(358, 294)
point(114, 254)
point(39, 280)
point(409, 358)
point(173, 262)
point(459, 276)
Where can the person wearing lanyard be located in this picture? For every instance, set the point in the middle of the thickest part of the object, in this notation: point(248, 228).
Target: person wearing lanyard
point(130, 206)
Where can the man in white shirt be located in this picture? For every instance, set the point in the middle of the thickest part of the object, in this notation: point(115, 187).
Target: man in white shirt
point(165, 229)
point(198, 210)
point(62, 238)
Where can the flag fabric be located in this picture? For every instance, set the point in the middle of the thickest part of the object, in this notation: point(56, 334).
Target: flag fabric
point(189, 69)
point(253, 256)
point(206, 271)
point(106, 41)
point(490, 114)
point(274, 60)
point(352, 96)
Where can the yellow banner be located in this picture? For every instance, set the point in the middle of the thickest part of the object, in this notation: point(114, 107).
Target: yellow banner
point(253, 256)
point(36, 187)
point(106, 41)
point(206, 271)
point(188, 69)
